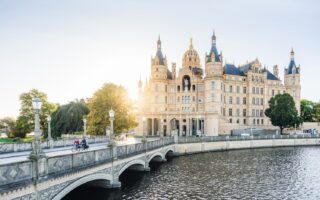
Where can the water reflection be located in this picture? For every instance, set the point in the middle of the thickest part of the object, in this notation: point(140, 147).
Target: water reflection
point(279, 173)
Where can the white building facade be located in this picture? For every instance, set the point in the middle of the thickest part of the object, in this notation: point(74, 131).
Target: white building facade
point(190, 100)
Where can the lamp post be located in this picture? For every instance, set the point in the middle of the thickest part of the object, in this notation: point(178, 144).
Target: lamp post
point(111, 118)
point(143, 130)
point(49, 127)
point(36, 148)
point(84, 127)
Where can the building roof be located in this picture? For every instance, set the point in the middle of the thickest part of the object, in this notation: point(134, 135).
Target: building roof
point(159, 55)
point(241, 71)
point(232, 70)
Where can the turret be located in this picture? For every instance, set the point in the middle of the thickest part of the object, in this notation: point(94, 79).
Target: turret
point(191, 57)
point(159, 64)
point(276, 71)
point(174, 70)
point(292, 80)
point(213, 59)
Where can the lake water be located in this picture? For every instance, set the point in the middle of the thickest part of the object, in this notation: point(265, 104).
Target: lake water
point(269, 173)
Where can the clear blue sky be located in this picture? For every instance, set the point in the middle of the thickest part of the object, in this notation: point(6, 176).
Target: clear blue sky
point(69, 48)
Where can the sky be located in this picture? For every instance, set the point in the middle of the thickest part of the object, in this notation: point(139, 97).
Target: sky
point(70, 48)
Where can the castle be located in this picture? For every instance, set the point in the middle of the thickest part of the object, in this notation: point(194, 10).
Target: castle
point(212, 101)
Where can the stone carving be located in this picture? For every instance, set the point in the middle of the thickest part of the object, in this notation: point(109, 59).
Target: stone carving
point(52, 191)
point(15, 172)
point(31, 196)
point(58, 164)
point(83, 159)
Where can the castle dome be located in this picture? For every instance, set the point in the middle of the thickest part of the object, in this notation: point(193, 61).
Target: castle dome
point(191, 57)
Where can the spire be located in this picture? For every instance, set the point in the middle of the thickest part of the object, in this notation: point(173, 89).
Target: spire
point(292, 54)
point(190, 44)
point(213, 38)
point(159, 43)
point(140, 82)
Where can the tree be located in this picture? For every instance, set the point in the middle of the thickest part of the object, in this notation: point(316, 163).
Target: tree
point(68, 118)
point(107, 97)
point(25, 121)
point(7, 125)
point(307, 110)
point(282, 112)
point(317, 112)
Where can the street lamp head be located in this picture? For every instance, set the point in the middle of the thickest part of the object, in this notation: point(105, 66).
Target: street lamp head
point(84, 120)
point(36, 103)
point(111, 113)
point(49, 118)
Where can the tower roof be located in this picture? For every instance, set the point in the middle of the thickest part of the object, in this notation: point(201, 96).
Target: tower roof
point(214, 49)
point(159, 54)
point(292, 67)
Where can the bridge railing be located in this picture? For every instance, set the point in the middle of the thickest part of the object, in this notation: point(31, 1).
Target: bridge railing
point(239, 138)
point(20, 173)
point(27, 146)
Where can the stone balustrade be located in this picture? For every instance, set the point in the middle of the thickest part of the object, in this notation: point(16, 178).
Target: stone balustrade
point(27, 146)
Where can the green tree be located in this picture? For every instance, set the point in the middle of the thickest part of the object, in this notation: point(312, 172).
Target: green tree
point(68, 118)
point(307, 110)
point(317, 112)
point(107, 97)
point(7, 125)
point(282, 112)
point(25, 121)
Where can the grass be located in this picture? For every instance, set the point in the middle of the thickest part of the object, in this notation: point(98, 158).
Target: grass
point(16, 140)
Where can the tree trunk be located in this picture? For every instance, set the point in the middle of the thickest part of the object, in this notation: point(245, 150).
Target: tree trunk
point(281, 130)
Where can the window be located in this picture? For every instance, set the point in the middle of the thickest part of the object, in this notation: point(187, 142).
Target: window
point(193, 87)
point(200, 88)
point(237, 121)
point(257, 113)
point(253, 112)
point(261, 91)
point(238, 89)
point(212, 97)
point(254, 121)
point(224, 112)
point(244, 90)
point(230, 111)
point(258, 121)
point(261, 113)
point(212, 85)
point(244, 100)
point(244, 121)
point(230, 100)
point(272, 92)
point(261, 101)
point(261, 121)
point(178, 88)
point(230, 88)
point(166, 98)
point(244, 112)
point(166, 88)
point(253, 101)
point(230, 120)
point(257, 90)
point(238, 112)
point(253, 90)
point(257, 101)
point(238, 100)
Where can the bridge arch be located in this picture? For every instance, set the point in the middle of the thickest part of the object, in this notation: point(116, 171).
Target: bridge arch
point(158, 154)
point(81, 181)
point(167, 151)
point(132, 163)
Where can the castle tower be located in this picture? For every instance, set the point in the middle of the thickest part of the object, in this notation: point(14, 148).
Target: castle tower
point(292, 80)
point(213, 88)
point(159, 64)
point(276, 71)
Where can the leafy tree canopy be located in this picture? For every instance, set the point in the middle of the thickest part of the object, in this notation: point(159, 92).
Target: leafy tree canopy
point(68, 118)
point(107, 97)
point(282, 111)
point(307, 110)
point(25, 121)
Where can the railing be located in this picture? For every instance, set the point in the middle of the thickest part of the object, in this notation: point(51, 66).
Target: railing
point(19, 173)
point(27, 146)
point(239, 138)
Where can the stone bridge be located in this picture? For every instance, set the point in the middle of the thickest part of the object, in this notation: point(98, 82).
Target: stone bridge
point(54, 177)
